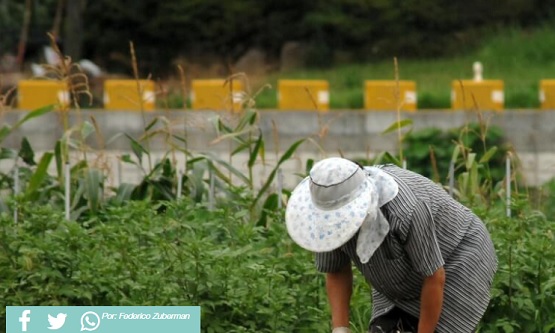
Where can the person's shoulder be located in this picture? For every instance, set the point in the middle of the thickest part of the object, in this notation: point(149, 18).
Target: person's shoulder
point(391, 169)
point(400, 172)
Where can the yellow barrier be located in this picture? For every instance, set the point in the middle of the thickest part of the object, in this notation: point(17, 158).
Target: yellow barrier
point(215, 94)
point(34, 94)
point(124, 95)
point(388, 95)
point(547, 94)
point(482, 95)
point(303, 95)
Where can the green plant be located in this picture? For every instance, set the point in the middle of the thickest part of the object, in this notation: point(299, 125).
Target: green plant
point(244, 277)
point(223, 244)
point(523, 294)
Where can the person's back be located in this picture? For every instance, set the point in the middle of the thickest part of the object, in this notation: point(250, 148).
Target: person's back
point(452, 221)
point(421, 216)
point(418, 236)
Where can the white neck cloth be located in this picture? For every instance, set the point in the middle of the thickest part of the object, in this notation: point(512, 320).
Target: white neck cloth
point(375, 227)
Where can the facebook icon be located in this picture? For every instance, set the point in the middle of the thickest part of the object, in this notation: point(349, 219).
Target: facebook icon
point(24, 319)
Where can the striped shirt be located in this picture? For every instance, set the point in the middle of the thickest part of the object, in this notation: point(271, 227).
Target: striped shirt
point(428, 230)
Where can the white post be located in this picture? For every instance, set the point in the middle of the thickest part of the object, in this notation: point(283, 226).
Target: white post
point(118, 171)
point(478, 70)
point(179, 186)
point(16, 192)
point(404, 163)
point(67, 190)
point(508, 184)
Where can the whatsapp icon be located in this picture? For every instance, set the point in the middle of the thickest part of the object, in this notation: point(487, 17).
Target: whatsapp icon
point(90, 321)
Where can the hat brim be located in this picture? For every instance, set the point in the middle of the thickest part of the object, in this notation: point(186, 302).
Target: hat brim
point(321, 230)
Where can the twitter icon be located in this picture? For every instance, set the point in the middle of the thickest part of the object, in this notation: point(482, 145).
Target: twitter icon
point(57, 322)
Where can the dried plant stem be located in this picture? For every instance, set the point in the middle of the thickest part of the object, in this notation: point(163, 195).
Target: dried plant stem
point(168, 130)
point(65, 73)
point(230, 84)
point(275, 134)
point(58, 18)
point(4, 99)
point(24, 32)
point(141, 102)
point(311, 96)
point(183, 83)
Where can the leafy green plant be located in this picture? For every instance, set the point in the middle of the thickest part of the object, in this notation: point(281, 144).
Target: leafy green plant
point(429, 151)
point(223, 244)
point(243, 276)
point(523, 294)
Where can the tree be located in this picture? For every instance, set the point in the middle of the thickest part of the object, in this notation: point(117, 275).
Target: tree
point(73, 41)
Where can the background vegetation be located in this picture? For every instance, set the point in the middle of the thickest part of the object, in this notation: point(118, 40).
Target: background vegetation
point(194, 236)
point(343, 41)
point(201, 239)
point(519, 57)
point(211, 29)
point(245, 277)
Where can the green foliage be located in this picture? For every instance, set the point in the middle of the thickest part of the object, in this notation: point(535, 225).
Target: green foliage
point(430, 151)
point(546, 198)
point(520, 57)
point(514, 45)
point(245, 278)
point(478, 155)
point(138, 244)
point(336, 30)
point(205, 173)
point(11, 18)
point(523, 294)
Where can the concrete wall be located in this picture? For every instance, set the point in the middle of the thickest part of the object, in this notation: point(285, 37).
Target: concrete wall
point(351, 132)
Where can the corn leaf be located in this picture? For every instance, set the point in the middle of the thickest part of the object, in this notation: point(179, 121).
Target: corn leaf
point(248, 119)
point(286, 156)
point(93, 186)
point(151, 124)
point(386, 157)
point(87, 129)
point(270, 204)
point(123, 193)
point(229, 167)
point(456, 153)
point(59, 160)
point(398, 125)
point(34, 114)
point(258, 149)
point(137, 149)
point(4, 132)
point(488, 155)
point(470, 160)
point(40, 174)
point(26, 152)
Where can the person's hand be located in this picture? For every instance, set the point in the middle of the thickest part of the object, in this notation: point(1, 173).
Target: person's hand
point(341, 330)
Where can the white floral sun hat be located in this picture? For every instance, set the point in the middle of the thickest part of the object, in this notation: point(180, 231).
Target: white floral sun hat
point(338, 199)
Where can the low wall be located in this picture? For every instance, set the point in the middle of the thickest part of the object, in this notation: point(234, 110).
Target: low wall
point(530, 132)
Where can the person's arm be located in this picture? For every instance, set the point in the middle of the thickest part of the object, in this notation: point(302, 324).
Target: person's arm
point(423, 248)
point(431, 301)
point(339, 287)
